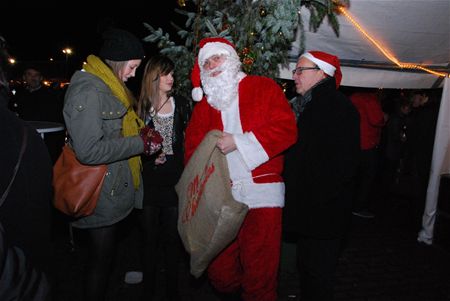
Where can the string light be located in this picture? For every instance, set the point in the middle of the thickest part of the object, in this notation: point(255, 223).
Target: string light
point(383, 50)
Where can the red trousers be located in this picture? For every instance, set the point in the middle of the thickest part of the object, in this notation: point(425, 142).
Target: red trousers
point(251, 261)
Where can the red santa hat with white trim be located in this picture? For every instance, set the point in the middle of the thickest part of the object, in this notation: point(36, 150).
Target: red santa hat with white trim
point(207, 48)
point(327, 62)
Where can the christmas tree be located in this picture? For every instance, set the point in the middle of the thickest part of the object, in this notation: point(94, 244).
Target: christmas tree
point(263, 32)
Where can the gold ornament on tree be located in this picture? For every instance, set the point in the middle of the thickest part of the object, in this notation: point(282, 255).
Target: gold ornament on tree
point(248, 61)
point(248, 58)
point(284, 86)
point(245, 51)
point(225, 26)
point(182, 3)
point(262, 11)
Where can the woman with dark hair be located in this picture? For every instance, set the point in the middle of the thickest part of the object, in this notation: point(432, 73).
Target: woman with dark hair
point(168, 114)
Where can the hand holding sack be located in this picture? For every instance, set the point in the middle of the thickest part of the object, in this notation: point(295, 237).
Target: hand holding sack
point(152, 140)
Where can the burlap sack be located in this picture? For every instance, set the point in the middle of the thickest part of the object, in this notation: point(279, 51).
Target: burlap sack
point(209, 218)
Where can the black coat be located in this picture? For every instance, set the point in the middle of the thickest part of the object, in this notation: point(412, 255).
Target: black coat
point(320, 168)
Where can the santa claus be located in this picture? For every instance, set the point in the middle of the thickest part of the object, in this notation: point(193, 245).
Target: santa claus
point(258, 125)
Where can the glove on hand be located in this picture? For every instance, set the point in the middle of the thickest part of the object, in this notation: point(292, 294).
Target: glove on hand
point(152, 140)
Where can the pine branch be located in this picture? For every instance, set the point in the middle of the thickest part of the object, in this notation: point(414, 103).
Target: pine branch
point(263, 32)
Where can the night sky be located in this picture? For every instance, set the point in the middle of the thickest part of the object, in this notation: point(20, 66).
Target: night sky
point(35, 35)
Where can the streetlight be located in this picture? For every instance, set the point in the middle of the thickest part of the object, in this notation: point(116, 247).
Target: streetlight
point(67, 51)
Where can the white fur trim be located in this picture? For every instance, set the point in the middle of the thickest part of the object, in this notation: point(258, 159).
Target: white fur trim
point(259, 195)
point(197, 94)
point(251, 150)
point(326, 67)
point(214, 48)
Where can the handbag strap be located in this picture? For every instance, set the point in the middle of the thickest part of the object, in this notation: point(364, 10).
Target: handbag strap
point(16, 168)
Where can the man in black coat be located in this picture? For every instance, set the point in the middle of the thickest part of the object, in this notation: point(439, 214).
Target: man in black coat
point(319, 172)
point(35, 101)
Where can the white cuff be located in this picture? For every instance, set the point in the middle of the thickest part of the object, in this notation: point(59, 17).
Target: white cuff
point(250, 149)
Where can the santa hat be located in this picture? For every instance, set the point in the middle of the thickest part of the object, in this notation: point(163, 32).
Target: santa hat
point(207, 48)
point(327, 62)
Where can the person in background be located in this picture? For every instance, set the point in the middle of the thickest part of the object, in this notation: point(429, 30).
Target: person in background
point(258, 125)
point(103, 128)
point(26, 252)
point(396, 133)
point(320, 172)
point(35, 101)
point(169, 115)
point(371, 122)
point(424, 115)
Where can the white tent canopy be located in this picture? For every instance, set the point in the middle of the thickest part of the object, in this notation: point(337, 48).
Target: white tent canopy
point(413, 31)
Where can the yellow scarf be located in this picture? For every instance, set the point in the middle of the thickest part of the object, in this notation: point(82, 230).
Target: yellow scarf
point(131, 122)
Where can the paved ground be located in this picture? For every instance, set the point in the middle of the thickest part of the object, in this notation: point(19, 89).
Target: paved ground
point(382, 262)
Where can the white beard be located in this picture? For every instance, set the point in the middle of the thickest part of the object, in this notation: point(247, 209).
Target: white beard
point(222, 90)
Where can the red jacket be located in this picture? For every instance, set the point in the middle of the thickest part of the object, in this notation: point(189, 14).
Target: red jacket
point(371, 118)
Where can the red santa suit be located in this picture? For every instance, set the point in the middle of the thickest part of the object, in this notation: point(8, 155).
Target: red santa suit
point(263, 126)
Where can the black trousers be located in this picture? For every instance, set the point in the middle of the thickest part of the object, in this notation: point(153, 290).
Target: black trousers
point(161, 242)
point(367, 172)
point(102, 249)
point(317, 262)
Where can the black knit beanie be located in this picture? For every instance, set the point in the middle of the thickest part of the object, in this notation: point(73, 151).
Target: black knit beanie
point(121, 45)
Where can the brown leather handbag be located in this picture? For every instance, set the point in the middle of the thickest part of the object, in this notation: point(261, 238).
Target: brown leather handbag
point(76, 186)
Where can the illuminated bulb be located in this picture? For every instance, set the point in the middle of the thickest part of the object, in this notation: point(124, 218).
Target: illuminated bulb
point(67, 51)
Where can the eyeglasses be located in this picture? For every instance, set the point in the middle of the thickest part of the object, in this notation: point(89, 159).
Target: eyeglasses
point(299, 70)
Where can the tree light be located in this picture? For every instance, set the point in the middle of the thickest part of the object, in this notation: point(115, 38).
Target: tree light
point(67, 51)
